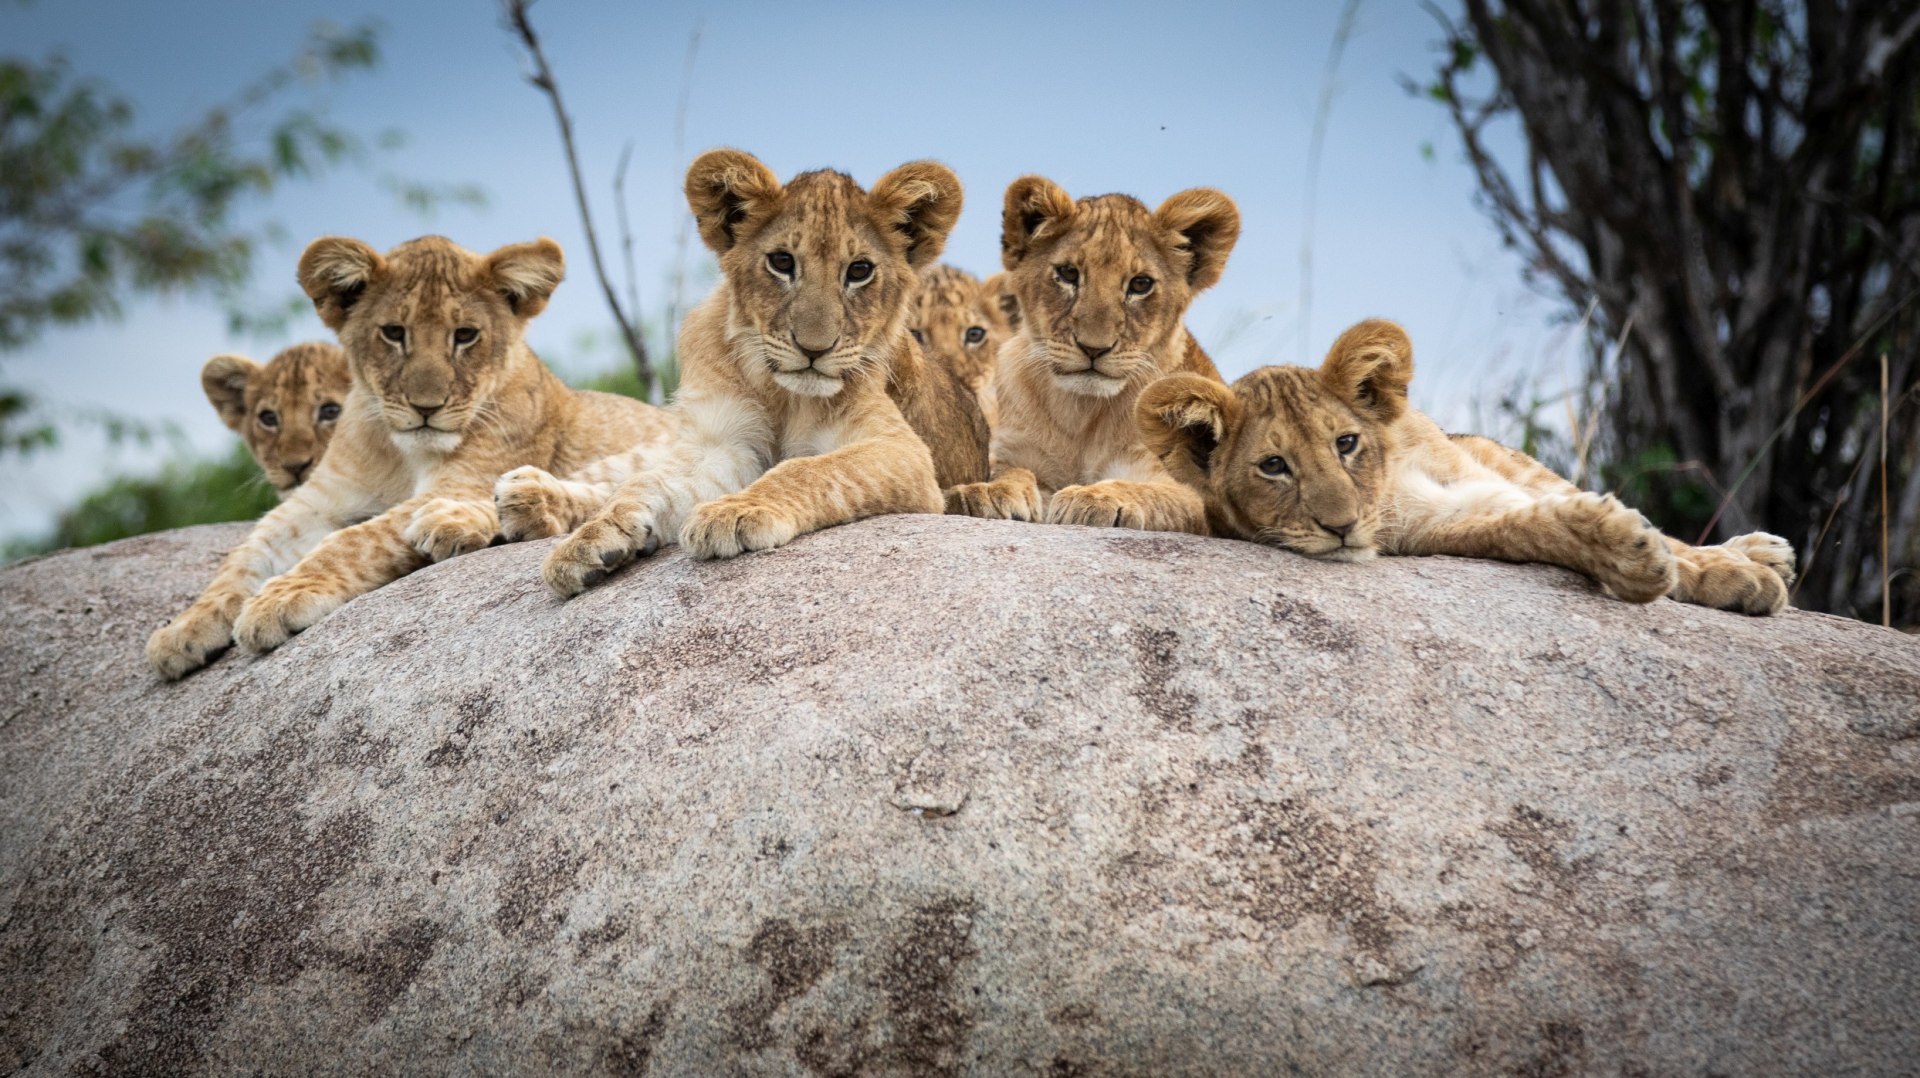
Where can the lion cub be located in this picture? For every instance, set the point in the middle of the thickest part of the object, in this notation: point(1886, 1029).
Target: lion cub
point(1102, 286)
point(962, 321)
point(1333, 464)
point(284, 411)
point(445, 396)
point(786, 425)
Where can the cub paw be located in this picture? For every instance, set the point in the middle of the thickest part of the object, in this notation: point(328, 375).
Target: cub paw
point(1729, 580)
point(733, 525)
point(600, 546)
point(445, 528)
point(1014, 495)
point(1626, 552)
point(1770, 551)
point(188, 643)
point(532, 505)
point(280, 610)
point(1097, 506)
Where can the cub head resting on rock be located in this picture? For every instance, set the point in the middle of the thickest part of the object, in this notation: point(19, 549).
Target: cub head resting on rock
point(445, 396)
point(1102, 286)
point(786, 425)
point(1332, 463)
point(284, 411)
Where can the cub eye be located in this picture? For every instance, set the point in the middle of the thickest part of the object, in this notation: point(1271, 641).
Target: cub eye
point(1140, 285)
point(394, 333)
point(1346, 443)
point(465, 335)
point(269, 417)
point(328, 412)
point(1066, 274)
point(976, 334)
point(1272, 467)
point(918, 336)
point(859, 271)
point(781, 263)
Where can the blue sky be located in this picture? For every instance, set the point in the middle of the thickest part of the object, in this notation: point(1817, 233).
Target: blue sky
point(1134, 97)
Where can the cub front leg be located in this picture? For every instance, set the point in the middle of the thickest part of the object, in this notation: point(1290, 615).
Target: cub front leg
point(1770, 551)
point(627, 526)
point(1589, 533)
point(1749, 574)
point(1014, 494)
point(888, 473)
point(205, 629)
point(1127, 503)
point(443, 528)
point(647, 508)
point(197, 636)
point(535, 504)
point(350, 562)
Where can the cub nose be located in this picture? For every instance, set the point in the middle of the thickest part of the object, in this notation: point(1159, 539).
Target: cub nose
point(298, 470)
point(426, 410)
point(814, 353)
point(1091, 351)
point(1339, 530)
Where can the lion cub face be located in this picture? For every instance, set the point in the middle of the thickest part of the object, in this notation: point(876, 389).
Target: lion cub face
point(285, 411)
point(1103, 283)
point(429, 327)
point(961, 321)
point(1290, 456)
point(821, 271)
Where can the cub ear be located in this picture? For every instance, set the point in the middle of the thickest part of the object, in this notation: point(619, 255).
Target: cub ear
point(527, 274)
point(1036, 208)
point(1183, 418)
point(334, 271)
point(1000, 291)
point(1205, 224)
point(225, 379)
point(921, 199)
point(1369, 367)
point(729, 190)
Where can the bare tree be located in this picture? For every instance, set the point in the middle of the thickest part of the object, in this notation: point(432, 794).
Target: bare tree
point(1739, 181)
point(514, 13)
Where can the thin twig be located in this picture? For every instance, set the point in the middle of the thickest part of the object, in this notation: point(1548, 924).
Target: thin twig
point(626, 245)
point(1584, 447)
point(516, 20)
point(1886, 591)
point(683, 219)
point(1573, 414)
point(1341, 33)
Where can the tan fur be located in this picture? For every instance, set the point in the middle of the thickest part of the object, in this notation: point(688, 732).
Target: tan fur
point(284, 411)
point(943, 412)
point(429, 423)
point(1087, 342)
point(960, 321)
point(1401, 486)
point(786, 425)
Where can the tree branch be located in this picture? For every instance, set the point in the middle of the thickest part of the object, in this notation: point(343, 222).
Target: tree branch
point(516, 20)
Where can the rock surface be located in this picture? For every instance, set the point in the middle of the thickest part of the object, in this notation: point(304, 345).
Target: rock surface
point(927, 795)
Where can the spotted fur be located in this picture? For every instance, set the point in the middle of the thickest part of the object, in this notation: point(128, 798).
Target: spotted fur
point(445, 396)
point(786, 424)
point(1101, 287)
point(1332, 463)
point(286, 410)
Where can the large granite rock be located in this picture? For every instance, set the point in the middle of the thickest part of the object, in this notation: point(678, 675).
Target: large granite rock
point(928, 795)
